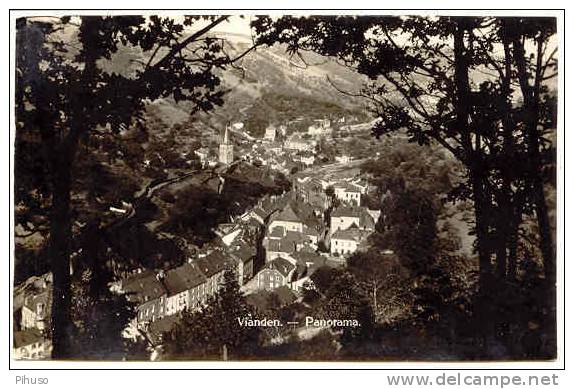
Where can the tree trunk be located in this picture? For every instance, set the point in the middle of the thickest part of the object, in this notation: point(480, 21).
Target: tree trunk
point(546, 241)
point(506, 206)
point(482, 235)
point(513, 248)
point(476, 172)
point(501, 258)
point(60, 237)
point(61, 232)
point(531, 95)
point(375, 309)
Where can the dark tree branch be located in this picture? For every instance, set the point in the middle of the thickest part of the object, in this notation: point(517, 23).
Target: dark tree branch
point(192, 38)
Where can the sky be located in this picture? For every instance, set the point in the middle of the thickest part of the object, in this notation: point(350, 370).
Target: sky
point(236, 25)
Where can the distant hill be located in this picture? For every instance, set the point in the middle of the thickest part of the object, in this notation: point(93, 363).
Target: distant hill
point(266, 86)
point(269, 87)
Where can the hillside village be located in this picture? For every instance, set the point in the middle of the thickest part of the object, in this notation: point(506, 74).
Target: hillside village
point(285, 187)
point(273, 247)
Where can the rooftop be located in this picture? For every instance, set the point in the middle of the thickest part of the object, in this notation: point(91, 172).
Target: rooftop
point(353, 234)
point(277, 232)
point(183, 278)
point(306, 256)
point(282, 265)
point(287, 214)
point(366, 221)
point(346, 211)
point(281, 246)
point(225, 228)
point(45, 297)
point(244, 252)
point(347, 186)
point(25, 338)
point(212, 263)
point(142, 287)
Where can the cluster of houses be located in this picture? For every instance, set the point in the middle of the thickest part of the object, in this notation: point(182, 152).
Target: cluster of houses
point(282, 153)
point(275, 245)
point(278, 243)
point(289, 232)
point(314, 189)
point(350, 226)
point(294, 229)
point(321, 220)
point(350, 222)
point(160, 295)
point(276, 149)
point(32, 308)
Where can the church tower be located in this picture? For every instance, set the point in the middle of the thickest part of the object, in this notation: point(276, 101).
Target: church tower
point(226, 149)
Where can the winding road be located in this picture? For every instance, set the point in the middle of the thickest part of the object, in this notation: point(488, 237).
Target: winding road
point(148, 192)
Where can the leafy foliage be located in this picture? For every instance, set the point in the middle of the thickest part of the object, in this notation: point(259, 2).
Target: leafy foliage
point(427, 80)
point(203, 334)
point(299, 111)
point(67, 92)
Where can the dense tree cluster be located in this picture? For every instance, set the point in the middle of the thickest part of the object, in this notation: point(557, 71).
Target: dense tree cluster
point(477, 94)
point(67, 94)
point(482, 89)
point(297, 111)
point(215, 330)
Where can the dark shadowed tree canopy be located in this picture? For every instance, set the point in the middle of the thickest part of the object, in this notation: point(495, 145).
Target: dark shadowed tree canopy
point(69, 91)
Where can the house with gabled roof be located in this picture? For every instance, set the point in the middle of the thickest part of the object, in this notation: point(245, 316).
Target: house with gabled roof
point(296, 142)
point(343, 217)
point(212, 266)
point(228, 232)
point(275, 274)
point(345, 242)
point(267, 207)
point(148, 293)
point(275, 248)
point(286, 218)
point(31, 344)
point(294, 216)
point(187, 287)
point(310, 190)
point(283, 243)
point(183, 282)
point(362, 184)
point(37, 309)
point(244, 256)
point(293, 228)
point(348, 192)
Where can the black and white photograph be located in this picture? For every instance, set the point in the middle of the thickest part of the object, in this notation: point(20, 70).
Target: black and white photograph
point(290, 186)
